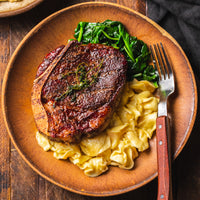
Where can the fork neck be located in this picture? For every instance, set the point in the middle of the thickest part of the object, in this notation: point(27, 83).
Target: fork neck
point(162, 108)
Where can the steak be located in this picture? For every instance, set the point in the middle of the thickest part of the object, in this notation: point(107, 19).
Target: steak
point(82, 91)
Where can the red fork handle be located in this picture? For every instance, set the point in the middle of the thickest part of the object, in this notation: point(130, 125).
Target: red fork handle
point(163, 159)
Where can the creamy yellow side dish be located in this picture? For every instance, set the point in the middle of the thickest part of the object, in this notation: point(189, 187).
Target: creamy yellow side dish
point(10, 0)
point(9, 5)
point(130, 129)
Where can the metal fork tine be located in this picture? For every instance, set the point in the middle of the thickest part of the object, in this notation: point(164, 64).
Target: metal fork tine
point(153, 57)
point(163, 60)
point(159, 64)
point(167, 61)
point(154, 62)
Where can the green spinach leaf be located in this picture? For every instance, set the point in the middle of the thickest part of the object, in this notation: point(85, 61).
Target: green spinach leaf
point(113, 33)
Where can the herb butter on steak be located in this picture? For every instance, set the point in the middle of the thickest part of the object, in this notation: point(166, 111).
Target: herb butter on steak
point(82, 91)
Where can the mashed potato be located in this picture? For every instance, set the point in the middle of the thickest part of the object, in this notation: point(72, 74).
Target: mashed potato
point(132, 125)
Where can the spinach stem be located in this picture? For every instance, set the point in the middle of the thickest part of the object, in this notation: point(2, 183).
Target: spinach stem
point(128, 52)
point(81, 32)
point(111, 38)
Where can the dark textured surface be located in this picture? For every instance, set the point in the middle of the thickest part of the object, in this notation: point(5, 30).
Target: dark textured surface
point(182, 20)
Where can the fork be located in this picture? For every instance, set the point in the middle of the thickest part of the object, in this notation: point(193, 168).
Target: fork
point(166, 88)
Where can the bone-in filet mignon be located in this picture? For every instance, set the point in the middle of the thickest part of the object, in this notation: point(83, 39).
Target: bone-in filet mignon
point(82, 91)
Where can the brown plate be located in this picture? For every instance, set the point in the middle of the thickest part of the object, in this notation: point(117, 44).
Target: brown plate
point(56, 30)
point(15, 8)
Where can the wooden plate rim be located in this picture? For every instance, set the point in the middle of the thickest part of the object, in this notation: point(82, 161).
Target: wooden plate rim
point(27, 38)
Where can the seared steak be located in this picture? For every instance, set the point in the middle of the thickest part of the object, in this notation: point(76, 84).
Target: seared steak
point(82, 91)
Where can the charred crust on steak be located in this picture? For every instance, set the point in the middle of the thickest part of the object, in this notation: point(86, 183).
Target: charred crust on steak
point(82, 91)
